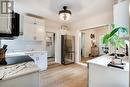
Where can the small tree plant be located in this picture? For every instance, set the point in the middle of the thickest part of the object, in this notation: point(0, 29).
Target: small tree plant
point(114, 39)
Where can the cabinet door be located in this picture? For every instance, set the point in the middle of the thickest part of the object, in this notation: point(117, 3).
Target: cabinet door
point(33, 28)
point(121, 15)
point(40, 60)
point(39, 33)
point(29, 31)
point(33, 20)
point(39, 22)
point(30, 20)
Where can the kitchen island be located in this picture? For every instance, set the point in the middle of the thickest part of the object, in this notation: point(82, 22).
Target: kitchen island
point(19, 75)
point(100, 75)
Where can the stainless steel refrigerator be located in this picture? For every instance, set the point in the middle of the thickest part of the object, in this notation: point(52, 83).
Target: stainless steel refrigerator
point(67, 49)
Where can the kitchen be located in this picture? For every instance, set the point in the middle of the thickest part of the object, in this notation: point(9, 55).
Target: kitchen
point(22, 52)
point(31, 26)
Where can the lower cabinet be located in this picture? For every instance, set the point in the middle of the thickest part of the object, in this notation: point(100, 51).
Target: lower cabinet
point(27, 80)
point(102, 76)
point(40, 59)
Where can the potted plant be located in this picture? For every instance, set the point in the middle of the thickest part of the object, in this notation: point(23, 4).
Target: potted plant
point(114, 39)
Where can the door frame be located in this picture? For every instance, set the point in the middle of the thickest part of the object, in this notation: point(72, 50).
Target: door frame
point(54, 43)
point(107, 25)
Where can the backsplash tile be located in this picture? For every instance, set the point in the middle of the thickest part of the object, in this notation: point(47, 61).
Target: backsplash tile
point(21, 45)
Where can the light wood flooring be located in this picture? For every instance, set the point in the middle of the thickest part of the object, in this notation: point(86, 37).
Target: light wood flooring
point(57, 75)
point(84, 59)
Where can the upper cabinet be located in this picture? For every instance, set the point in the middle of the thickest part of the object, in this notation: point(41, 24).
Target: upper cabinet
point(121, 14)
point(33, 28)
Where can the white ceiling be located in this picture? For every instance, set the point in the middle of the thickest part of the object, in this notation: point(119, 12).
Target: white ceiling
point(50, 8)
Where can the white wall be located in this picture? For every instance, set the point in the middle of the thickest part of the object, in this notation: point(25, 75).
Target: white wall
point(99, 35)
point(94, 21)
point(88, 44)
point(20, 45)
point(86, 23)
point(98, 32)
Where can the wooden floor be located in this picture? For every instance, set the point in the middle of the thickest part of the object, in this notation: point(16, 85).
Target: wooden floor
point(84, 59)
point(57, 75)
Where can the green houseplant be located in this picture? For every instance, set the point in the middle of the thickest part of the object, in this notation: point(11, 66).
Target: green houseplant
point(114, 39)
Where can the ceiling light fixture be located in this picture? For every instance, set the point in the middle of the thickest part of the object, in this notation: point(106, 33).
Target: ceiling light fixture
point(65, 14)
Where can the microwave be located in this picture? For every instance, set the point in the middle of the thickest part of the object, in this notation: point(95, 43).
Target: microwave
point(9, 25)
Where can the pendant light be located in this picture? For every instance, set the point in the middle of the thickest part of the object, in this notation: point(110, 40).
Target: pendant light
point(65, 14)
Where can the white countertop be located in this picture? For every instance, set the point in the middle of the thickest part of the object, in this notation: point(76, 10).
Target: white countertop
point(104, 60)
point(23, 53)
point(13, 71)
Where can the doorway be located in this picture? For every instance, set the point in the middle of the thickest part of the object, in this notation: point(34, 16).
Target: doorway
point(50, 47)
point(91, 42)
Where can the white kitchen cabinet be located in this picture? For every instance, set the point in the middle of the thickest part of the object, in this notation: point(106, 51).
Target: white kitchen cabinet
point(40, 59)
point(121, 15)
point(33, 29)
point(100, 75)
point(33, 20)
point(39, 22)
point(27, 80)
point(29, 31)
point(28, 19)
point(39, 33)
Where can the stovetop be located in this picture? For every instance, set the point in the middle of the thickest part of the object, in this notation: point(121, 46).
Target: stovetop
point(16, 60)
